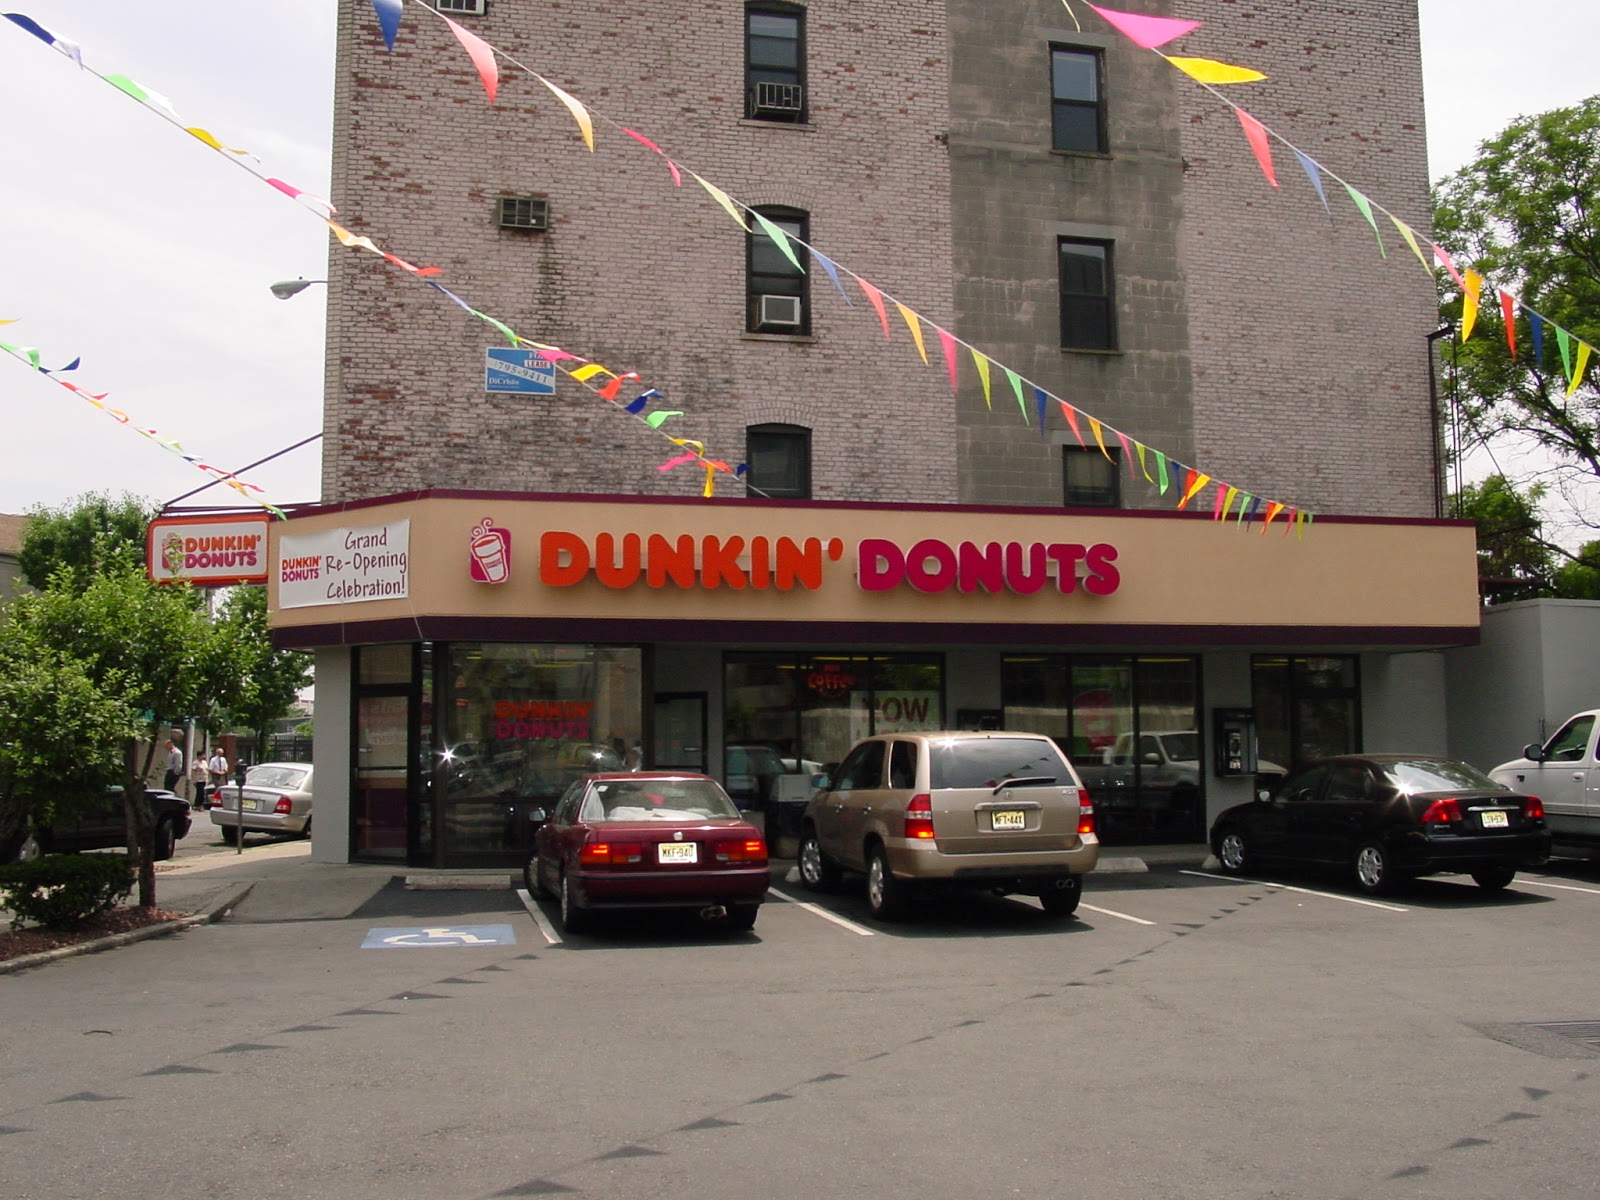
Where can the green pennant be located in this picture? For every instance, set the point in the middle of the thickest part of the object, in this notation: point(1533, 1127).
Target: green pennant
point(1161, 470)
point(779, 239)
point(1564, 341)
point(1016, 386)
point(1365, 206)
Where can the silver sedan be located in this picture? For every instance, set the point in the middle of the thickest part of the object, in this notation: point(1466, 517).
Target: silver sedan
point(277, 799)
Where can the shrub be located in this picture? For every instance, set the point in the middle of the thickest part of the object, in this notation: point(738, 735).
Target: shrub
point(60, 891)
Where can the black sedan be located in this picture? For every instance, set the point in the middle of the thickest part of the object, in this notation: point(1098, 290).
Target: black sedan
point(1388, 818)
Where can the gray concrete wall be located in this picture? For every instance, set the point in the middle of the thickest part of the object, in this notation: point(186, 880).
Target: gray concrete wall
point(330, 727)
point(1403, 703)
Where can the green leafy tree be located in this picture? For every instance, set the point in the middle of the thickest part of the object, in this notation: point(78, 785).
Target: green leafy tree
point(1514, 562)
point(1580, 579)
point(271, 679)
point(89, 536)
point(1526, 214)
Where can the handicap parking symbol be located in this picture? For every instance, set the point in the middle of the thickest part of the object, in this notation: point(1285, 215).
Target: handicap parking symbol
point(440, 935)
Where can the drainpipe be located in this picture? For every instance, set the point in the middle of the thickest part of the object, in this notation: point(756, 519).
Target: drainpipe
point(1433, 415)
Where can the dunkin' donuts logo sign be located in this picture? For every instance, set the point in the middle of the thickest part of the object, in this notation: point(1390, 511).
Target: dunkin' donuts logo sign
point(207, 551)
point(490, 560)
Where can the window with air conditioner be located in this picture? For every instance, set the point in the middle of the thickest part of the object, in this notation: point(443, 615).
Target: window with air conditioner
point(475, 8)
point(774, 74)
point(777, 296)
point(779, 457)
point(522, 212)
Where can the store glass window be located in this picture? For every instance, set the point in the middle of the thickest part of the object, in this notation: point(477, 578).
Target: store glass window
point(517, 724)
point(1307, 708)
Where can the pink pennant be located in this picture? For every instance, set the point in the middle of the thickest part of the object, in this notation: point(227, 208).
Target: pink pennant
point(405, 266)
point(1256, 133)
point(876, 297)
point(646, 142)
point(294, 193)
point(1508, 309)
point(1146, 32)
point(949, 345)
point(1216, 510)
point(1127, 453)
point(1449, 264)
point(482, 55)
point(676, 462)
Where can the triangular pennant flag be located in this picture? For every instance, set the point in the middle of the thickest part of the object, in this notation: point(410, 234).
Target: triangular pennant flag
point(1564, 344)
point(657, 419)
point(722, 198)
point(1041, 401)
point(780, 239)
point(1209, 70)
point(1217, 510)
point(1247, 508)
point(505, 330)
point(123, 84)
point(1161, 471)
point(1197, 483)
point(481, 54)
point(1256, 134)
point(1015, 381)
point(1143, 466)
point(1449, 264)
point(677, 462)
point(711, 481)
point(1233, 494)
point(1508, 313)
point(1100, 438)
point(580, 114)
point(948, 344)
point(1314, 173)
point(610, 390)
point(1536, 329)
point(1469, 302)
point(1291, 520)
point(1365, 206)
point(910, 318)
point(1146, 32)
point(833, 274)
point(1578, 370)
point(587, 372)
point(1127, 454)
point(1071, 415)
point(1273, 510)
point(677, 178)
point(388, 19)
point(1410, 236)
point(982, 363)
point(640, 402)
point(875, 298)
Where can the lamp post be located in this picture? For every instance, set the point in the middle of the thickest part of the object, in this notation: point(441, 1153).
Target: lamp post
point(285, 288)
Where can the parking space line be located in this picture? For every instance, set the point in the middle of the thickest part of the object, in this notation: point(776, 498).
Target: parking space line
point(823, 913)
point(539, 919)
point(1565, 887)
point(1107, 912)
point(1303, 891)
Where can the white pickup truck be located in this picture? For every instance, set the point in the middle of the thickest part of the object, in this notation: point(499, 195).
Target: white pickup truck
point(1565, 774)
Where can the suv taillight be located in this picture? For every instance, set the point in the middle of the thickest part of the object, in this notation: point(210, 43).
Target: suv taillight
point(1442, 812)
point(1533, 809)
point(1085, 812)
point(919, 817)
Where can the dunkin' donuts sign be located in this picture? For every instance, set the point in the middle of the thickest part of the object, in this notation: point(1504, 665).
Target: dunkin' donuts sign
point(207, 551)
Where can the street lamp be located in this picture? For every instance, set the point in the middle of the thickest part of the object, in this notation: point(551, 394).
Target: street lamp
point(285, 288)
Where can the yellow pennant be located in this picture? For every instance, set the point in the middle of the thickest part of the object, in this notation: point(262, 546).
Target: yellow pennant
point(982, 363)
point(1469, 301)
point(722, 198)
point(915, 326)
point(1577, 371)
point(1209, 70)
point(580, 114)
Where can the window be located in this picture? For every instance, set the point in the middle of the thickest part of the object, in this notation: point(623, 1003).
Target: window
point(778, 298)
point(1306, 708)
point(1077, 118)
point(780, 461)
point(1086, 295)
point(1092, 480)
point(774, 70)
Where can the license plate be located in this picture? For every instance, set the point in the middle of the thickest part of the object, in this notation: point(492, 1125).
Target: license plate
point(1009, 819)
point(248, 805)
point(1495, 820)
point(677, 852)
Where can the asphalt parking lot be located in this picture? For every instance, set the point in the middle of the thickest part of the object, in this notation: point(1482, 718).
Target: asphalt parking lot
point(1187, 1035)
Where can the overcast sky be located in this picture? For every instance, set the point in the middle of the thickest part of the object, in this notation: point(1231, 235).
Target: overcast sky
point(137, 248)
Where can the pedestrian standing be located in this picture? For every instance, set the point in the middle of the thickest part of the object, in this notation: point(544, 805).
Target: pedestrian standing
point(217, 768)
point(199, 777)
point(174, 766)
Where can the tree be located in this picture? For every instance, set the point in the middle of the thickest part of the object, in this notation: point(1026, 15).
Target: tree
point(271, 679)
point(91, 535)
point(1525, 213)
point(1514, 563)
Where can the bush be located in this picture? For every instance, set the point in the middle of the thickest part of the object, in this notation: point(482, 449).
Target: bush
point(60, 891)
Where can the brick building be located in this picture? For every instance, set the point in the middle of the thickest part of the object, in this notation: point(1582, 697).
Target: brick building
point(1065, 203)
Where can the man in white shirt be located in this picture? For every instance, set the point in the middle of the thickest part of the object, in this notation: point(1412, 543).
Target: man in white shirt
point(218, 767)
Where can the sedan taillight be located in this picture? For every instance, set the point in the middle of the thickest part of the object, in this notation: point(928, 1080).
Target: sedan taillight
point(745, 850)
point(1533, 809)
point(919, 817)
point(1442, 812)
point(1085, 812)
point(599, 854)
point(283, 807)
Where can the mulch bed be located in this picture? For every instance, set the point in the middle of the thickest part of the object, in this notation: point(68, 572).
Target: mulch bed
point(16, 942)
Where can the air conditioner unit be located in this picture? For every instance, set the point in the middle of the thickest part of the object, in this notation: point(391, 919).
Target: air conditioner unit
point(777, 100)
point(781, 312)
point(473, 7)
point(522, 212)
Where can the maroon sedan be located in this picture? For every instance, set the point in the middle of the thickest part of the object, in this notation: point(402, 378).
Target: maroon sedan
point(654, 839)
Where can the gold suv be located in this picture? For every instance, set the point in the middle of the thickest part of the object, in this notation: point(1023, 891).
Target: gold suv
point(1004, 812)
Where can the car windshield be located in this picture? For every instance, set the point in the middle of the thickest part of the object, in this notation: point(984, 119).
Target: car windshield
point(989, 762)
point(276, 777)
point(661, 800)
point(1425, 775)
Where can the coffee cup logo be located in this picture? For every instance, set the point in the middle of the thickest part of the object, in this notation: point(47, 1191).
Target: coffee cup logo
point(491, 553)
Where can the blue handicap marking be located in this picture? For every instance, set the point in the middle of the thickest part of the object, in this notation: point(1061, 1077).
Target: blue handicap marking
point(518, 372)
point(440, 935)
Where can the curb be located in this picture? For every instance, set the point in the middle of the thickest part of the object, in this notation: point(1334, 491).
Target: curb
point(215, 913)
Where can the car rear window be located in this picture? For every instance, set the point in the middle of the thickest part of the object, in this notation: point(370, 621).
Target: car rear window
point(275, 777)
point(988, 762)
point(1425, 776)
point(662, 800)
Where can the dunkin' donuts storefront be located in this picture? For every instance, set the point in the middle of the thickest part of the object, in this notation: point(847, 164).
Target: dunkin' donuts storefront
point(477, 651)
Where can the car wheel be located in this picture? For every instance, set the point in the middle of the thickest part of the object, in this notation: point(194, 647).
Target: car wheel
point(1375, 875)
point(230, 835)
point(306, 832)
point(530, 878)
point(887, 896)
point(1494, 879)
point(818, 872)
point(166, 841)
point(1063, 901)
point(742, 916)
point(1233, 853)
point(574, 919)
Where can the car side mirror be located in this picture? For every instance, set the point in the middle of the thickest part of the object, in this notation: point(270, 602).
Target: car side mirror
point(1152, 759)
point(536, 814)
point(1534, 751)
point(820, 780)
point(1263, 795)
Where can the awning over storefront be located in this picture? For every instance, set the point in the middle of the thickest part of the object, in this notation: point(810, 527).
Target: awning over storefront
point(498, 566)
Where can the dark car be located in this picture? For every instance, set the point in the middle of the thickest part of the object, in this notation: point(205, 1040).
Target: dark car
point(651, 839)
point(103, 827)
point(1388, 818)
